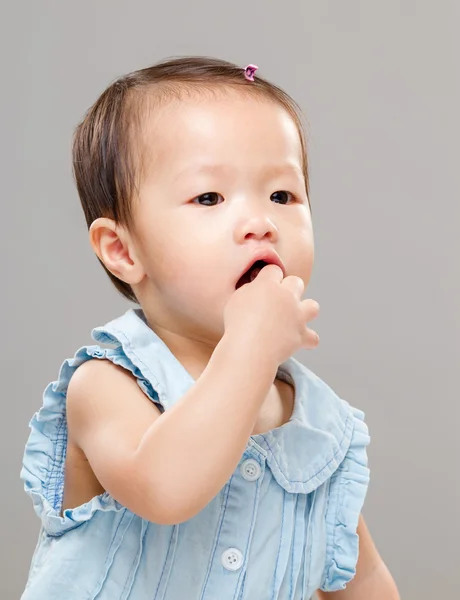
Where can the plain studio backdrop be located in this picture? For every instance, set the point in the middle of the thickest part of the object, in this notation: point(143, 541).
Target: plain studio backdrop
point(379, 84)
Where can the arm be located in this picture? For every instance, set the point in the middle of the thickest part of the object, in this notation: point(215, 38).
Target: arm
point(167, 467)
point(373, 580)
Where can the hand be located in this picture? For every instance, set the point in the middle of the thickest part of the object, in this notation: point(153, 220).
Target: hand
point(269, 314)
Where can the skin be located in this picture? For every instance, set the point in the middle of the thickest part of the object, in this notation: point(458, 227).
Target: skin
point(188, 246)
point(185, 256)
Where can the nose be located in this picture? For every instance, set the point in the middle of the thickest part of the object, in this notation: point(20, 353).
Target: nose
point(256, 227)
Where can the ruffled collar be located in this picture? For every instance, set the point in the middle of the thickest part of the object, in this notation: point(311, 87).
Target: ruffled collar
point(302, 453)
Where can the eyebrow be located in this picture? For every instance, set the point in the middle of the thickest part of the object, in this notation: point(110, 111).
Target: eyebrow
point(274, 170)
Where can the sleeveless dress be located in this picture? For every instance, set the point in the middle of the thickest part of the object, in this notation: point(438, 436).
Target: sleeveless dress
point(283, 526)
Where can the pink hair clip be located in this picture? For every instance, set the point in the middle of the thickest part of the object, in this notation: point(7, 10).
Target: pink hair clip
point(249, 72)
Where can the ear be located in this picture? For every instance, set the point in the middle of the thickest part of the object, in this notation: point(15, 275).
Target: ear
point(114, 247)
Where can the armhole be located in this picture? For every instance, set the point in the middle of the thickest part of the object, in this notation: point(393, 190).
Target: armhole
point(44, 457)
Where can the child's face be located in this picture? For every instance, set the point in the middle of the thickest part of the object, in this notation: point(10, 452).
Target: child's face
point(193, 247)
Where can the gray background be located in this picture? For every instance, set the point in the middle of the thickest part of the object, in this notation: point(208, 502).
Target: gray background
point(379, 83)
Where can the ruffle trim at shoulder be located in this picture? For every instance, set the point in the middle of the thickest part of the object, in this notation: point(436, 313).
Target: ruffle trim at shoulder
point(45, 451)
point(347, 492)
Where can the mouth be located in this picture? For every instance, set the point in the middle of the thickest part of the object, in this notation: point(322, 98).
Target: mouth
point(255, 267)
point(251, 273)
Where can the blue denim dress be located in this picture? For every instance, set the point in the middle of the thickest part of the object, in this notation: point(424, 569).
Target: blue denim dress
point(283, 526)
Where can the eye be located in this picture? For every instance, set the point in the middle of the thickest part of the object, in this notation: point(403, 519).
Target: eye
point(283, 194)
point(209, 197)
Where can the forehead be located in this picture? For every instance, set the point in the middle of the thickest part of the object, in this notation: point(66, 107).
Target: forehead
point(243, 132)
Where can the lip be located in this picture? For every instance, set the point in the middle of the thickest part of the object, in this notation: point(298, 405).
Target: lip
point(269, 256)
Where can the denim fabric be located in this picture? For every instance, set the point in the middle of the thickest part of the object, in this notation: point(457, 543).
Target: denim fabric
point(283, 525)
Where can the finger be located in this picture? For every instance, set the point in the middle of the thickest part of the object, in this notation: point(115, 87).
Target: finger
point(271, 272)
point(310, 308)
point(311, 339)
point(295, 284)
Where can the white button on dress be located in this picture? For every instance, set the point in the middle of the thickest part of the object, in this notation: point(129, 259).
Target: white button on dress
point(232, 559)
point(250, 469)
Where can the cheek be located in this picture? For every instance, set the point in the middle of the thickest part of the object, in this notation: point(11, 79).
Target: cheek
point(191, 255)
point(181, 261)
point(187, 272)
point(302, 258)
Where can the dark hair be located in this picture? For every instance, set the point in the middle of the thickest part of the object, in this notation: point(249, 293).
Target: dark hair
point(106, 159)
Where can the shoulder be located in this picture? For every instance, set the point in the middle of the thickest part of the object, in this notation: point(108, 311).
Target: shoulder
point(95, 373)
point(93, 377)
point(100, 388)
